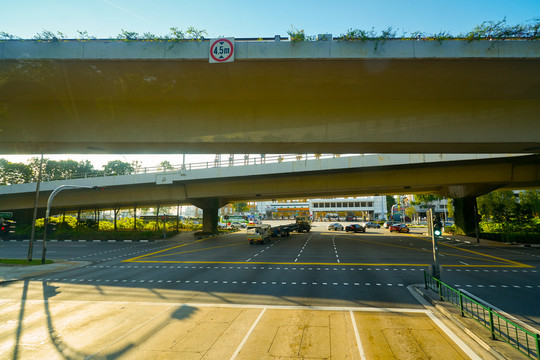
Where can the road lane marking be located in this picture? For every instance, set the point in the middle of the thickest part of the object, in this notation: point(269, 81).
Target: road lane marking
point(517, 264)
point(170, 248)
point(357, 336)
point(241, 345)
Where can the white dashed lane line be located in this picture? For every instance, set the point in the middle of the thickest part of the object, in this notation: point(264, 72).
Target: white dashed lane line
point(260, 252)
point(303, 268)
point(536, 254)
point(277, 283)
point(130, 254)
point(335, 249)
point(302, 249)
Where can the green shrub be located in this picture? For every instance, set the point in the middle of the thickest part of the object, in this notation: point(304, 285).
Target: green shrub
point(521, 238)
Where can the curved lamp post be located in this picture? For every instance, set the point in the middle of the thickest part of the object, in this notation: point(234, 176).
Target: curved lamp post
point(49, 202)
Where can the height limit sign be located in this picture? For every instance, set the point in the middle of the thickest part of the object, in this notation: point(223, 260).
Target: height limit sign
point(222, 50)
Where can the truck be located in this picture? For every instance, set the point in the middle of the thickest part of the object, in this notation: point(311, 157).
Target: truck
point(303, 223)
point(263, 233)
point(259, 234)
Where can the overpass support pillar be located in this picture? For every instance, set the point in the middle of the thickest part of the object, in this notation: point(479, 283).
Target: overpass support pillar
point(465, 214)
point(210, 209)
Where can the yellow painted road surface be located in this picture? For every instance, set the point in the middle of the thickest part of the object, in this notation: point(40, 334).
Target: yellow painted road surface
point(128, 330)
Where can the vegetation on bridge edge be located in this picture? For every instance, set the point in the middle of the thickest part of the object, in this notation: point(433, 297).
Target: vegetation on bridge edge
point(487, 30)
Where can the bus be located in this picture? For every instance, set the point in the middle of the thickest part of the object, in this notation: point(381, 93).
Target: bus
point(228, 219)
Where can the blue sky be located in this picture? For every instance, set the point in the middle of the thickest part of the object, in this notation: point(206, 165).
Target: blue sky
point(237, 18)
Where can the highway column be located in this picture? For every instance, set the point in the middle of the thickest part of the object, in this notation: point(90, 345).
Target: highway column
point(210, 209)
point(465, 214)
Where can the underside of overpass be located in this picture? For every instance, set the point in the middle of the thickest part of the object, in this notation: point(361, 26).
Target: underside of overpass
point(276, 97)
point(314, 97)
point(463, 179)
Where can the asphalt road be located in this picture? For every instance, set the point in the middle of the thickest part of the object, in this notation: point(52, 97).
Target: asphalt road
point(320, 268)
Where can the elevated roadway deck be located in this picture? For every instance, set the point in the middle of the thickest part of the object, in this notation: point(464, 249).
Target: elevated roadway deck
point(454, 176)
point(396, 96)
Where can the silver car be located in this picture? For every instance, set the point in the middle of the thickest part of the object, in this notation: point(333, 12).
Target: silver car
point(335, 227)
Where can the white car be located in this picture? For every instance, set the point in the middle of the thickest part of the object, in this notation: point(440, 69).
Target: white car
point(237, 225)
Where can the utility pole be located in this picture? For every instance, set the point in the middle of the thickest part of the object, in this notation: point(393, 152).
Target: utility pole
point(435, 267)
point(36, 200)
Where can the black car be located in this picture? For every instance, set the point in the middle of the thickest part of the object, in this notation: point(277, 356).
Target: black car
point(355, 228)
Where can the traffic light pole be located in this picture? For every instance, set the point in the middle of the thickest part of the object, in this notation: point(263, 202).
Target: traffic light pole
point(435, 267)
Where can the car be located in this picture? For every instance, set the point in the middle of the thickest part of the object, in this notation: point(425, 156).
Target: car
point(355, 228)
point(335, 226)
point(372, 225)
point(402, 228)
point(237, 225)
point(388, 223)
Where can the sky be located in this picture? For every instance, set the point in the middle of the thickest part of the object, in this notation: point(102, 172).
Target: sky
point(104, 19)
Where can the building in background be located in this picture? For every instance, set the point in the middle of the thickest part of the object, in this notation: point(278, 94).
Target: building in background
point(351, 208)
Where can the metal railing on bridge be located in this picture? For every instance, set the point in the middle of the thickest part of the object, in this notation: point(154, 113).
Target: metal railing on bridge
point(523, 340)
point(217, 163)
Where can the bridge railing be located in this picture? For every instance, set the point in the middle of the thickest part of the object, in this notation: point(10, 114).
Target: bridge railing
point(218, 162)
point(521, 339)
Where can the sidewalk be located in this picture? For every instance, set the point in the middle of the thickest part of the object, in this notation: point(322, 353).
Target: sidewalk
point(483, 242)
point(475, 332)
point(473, 241)
point(10, 273)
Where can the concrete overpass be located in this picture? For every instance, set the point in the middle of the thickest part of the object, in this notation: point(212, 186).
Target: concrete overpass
point(396, 96)
point(454, 176)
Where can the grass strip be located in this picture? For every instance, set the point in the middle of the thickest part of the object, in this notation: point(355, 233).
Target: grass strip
point(24, 262)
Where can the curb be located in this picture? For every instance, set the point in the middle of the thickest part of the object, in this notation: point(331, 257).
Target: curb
point(17, 273)
point(457, 320)
point(96, 240)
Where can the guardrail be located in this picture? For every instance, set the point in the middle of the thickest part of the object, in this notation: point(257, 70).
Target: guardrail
point(523, 340)
point(218, 162)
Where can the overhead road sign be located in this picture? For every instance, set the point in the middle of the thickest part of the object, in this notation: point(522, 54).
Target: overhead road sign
point(6, 215)
point(221, 50)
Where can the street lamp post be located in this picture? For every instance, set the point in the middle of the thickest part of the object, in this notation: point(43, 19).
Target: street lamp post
point(49, 202)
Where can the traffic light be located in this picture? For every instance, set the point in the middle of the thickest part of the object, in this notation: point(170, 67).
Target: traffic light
point(7, 227)
point(4, 229)
point(437, 227)
point(51, 228)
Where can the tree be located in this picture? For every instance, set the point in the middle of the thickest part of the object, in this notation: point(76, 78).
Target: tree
point(450, 208)
point(530, 202)
point(241, 207)
point(425, 198)
point(14, 173)
point(165, 165)
point(410, 211)
point(500, 206)
point(117, 167)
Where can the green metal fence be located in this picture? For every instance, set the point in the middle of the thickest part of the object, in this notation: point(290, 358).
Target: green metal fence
point(521, 339)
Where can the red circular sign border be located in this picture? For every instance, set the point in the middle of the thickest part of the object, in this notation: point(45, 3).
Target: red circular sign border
point(215, 42)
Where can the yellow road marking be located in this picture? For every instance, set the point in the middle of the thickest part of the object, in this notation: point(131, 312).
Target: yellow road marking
point(160, 251)
point(273, 263)
point(190, 251)
point(517, 264)
point(429, 251)
point(506, 262)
